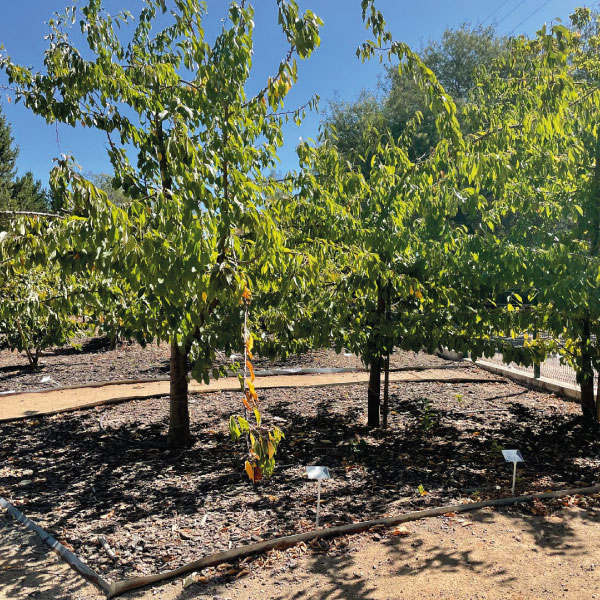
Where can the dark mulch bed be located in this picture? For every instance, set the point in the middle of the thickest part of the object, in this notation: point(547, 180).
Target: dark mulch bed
point(95, 361)
point(159, 509)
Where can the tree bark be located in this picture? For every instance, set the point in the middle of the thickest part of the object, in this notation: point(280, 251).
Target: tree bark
point(374, 393)
point(585, 375)
point(179, 417)
point(386, 391)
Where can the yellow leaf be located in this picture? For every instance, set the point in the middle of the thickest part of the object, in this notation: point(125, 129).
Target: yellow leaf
point(250, 471)
point(419, 295)
point(160, 157)
point(246, 403)
point(204, 296)
point(251, 369)
point(271, 450)
point(411, 291)
point(252, 389)
point(249, 343)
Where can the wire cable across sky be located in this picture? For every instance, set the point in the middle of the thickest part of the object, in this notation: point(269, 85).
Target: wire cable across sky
point(510, 12)
point(495, 11)
point(535, 12)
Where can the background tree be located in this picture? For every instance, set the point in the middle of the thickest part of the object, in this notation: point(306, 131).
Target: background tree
point(454, 59)
point(16, 193)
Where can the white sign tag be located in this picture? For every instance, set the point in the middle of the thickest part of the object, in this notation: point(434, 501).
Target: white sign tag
point(317, 473)
point(512, 456)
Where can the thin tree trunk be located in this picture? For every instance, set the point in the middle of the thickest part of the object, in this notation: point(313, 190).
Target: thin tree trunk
point(179, 417)
point(386, 391)
point(585, 375)
point(598, 401)
point(374, 393)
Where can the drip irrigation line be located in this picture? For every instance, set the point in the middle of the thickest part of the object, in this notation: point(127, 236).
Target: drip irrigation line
point(73, 561)
point(119, 587)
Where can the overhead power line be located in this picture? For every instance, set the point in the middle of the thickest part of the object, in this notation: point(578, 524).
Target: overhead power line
point(495, 11)
point(535, 12)
point(510, 12)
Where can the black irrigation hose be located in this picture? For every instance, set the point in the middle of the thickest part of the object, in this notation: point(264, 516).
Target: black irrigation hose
point(119, 587)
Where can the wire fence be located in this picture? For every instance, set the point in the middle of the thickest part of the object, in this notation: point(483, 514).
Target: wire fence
point(552, 368)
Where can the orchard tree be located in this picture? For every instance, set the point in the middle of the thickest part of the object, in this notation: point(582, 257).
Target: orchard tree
point(454, 59)
point(189, 147)
point(38, 307)
point(535, 148)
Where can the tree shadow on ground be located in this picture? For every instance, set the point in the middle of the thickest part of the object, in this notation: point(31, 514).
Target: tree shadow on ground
point(29, 568)
point(67, 471)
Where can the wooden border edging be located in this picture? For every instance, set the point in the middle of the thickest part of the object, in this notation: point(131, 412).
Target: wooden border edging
point(119, 587)
point(258, 373)
point(233, 387)
point(73, 561)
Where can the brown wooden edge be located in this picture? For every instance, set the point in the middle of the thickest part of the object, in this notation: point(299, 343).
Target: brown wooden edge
point(233, 388)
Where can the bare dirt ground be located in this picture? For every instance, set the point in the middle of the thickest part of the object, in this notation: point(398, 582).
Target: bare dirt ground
point(102, 472)
point(486, 555)
point(96, 362)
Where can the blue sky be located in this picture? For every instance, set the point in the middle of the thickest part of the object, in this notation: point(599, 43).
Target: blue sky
point(332, 70)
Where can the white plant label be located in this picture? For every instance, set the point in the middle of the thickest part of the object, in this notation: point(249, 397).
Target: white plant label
point(317, 473)
point(512, 456)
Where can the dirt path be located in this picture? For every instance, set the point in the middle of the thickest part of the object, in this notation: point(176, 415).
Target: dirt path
point(487, 555)
point(31, 404)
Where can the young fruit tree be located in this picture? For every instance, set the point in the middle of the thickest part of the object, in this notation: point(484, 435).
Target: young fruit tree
point(190, 148)
point(397, 266)
point(536, 147)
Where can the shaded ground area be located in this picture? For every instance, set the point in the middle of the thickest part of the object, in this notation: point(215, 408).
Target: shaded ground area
point(95, 361)
point(159, 510)
point(491, 555)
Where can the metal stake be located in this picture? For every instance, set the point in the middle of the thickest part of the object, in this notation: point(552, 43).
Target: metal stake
point(514, 477)
point(318, 501)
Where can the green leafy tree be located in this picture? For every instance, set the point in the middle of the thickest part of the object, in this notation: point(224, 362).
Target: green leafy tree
point(36, 309)
point(193, 235)
point(535, 152)
point(401, 106)
point(385, 232)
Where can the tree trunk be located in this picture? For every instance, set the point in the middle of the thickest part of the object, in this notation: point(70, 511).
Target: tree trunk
point(585, 376)
point(374, 392)
point(598, 401)
point(179, 417)
point(386, 391)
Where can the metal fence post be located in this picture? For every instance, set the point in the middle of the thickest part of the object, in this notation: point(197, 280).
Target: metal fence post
point(536, 366)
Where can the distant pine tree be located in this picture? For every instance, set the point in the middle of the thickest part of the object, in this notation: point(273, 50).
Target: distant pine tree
point(17, 192)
